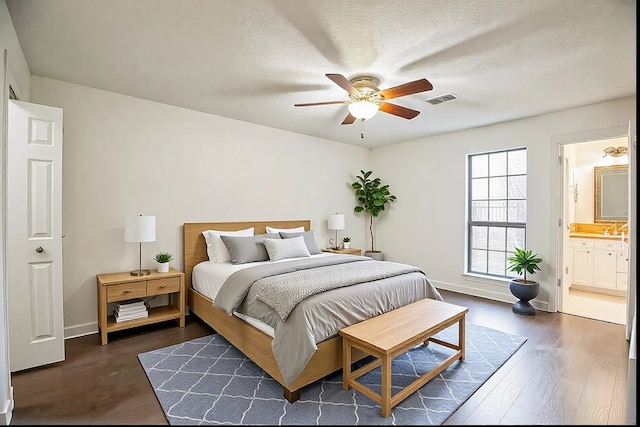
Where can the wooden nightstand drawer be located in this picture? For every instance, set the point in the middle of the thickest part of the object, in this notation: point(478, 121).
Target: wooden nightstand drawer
point(126, 291)
point(163, 286)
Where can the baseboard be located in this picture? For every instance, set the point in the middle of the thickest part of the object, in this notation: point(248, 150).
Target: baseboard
point(80, 330)
point(492, 292)
point(7, 410)
point(87, 329)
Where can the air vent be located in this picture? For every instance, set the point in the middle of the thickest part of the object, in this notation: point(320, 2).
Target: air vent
point(443, 98)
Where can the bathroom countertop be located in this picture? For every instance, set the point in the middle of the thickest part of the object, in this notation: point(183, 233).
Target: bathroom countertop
point(597, 236)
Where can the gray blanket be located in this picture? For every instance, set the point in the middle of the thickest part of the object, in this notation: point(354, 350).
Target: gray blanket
point(283, 292)
point(322, 315)
point(235, 288)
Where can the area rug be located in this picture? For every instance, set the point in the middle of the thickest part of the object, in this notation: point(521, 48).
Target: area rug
point(208, 381)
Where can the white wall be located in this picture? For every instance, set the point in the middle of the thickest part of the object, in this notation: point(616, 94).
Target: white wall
point(426, 225)
point(6, 400)
point(123, 156)
point(18, 74)
point(15, 72)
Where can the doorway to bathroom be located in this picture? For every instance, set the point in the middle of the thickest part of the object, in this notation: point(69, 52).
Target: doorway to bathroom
point(595, 233)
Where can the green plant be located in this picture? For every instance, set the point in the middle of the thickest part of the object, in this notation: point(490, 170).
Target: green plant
point(346, 239)
point(372, 197)
point(524, 261)
point(162, 257)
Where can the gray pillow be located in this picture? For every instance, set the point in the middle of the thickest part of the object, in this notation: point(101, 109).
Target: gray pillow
point(286, 248)
point(309, 240)
point(248, 249)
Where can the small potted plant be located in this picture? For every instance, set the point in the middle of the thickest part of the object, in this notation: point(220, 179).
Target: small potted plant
point(163, 258)
point(522, 262)
point(346, 242)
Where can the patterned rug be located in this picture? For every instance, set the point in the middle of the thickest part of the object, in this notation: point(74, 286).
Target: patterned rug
point(208, 381)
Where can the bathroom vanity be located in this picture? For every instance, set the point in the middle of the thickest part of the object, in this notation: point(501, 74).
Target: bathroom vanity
point(599, 264)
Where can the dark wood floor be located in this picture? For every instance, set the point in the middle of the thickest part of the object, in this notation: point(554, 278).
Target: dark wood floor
point(571, 370)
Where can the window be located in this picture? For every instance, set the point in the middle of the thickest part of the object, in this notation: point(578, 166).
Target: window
point(497, 209)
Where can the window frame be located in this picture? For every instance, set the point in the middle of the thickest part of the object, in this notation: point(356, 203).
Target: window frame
point(519, 226)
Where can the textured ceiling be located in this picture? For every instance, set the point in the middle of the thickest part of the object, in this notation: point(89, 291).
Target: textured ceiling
point(252, 60)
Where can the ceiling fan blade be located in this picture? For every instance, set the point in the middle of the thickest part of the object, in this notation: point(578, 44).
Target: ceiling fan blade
point(410, 88)
point(348, 120)
point(396, 110)
point(345, 84)
point(321, 103)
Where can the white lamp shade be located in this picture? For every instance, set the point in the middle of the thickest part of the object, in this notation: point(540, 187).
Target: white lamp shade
point(336, 222)
point(140, 229)
point(363, 109)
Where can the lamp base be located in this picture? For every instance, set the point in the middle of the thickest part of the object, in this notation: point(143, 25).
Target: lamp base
point(333, 243)
point(140, 272)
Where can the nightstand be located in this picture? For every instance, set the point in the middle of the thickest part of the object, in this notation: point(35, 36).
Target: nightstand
point(350, 251)
point(116, 287)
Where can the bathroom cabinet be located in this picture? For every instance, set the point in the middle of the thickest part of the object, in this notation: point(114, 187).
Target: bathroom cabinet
point(599, 265)
point(604, 267)
point(581, 262)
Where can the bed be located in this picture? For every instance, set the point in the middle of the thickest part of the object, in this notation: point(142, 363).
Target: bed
point(256, 342)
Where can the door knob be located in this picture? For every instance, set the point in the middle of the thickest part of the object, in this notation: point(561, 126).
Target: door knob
point(39, 249)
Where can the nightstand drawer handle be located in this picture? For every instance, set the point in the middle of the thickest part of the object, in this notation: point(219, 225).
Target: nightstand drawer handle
point(163, 286)
point(127, 291)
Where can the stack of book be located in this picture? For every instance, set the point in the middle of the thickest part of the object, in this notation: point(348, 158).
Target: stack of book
point(131, 310)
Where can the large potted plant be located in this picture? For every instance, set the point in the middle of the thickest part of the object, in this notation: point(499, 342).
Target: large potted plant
point(522, 262)
point(372, 198)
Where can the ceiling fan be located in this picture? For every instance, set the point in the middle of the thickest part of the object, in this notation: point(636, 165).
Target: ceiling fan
point(366, 99)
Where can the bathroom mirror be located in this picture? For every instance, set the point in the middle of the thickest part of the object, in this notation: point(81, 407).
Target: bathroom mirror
point(611, 193)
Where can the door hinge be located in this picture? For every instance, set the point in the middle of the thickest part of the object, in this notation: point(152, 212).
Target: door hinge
point(559, 283)
point(566, 270)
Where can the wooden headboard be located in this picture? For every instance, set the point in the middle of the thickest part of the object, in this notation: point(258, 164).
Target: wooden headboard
point(195, 248)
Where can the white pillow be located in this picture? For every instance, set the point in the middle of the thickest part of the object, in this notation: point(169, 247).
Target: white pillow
point(216, 249)
point(271, 230)
point(286, 248)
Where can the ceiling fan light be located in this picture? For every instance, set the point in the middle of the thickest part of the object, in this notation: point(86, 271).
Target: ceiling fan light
point(363, 110)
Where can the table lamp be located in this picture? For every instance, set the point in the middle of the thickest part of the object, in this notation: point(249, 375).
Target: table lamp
point(140, 229)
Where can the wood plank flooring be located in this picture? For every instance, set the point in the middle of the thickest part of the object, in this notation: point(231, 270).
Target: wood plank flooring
point(571, 370)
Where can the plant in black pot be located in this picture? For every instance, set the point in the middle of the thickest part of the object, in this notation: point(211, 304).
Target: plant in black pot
point(372, 197)
point(522, 262)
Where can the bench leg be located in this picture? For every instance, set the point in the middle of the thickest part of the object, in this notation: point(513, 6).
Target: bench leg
point(346, 363)
point(385, 387)
point(461, 336)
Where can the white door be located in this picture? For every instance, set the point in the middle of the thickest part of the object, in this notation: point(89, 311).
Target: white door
point(34, 235)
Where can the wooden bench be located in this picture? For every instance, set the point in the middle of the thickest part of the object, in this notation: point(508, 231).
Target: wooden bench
point(391, 334)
